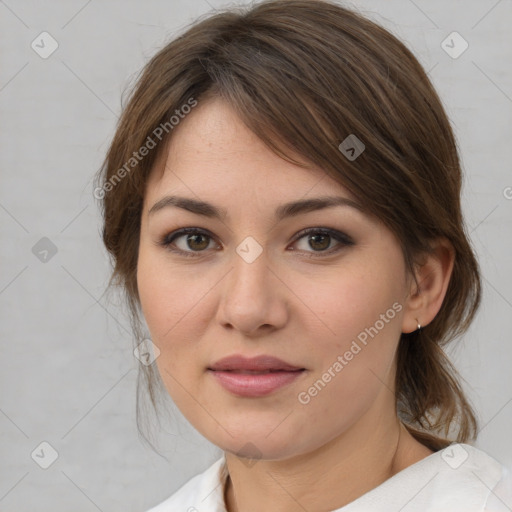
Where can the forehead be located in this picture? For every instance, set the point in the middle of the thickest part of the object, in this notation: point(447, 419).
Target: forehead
point(211, 151)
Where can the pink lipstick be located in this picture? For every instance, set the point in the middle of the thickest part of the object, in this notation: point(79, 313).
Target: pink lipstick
point(254, 377)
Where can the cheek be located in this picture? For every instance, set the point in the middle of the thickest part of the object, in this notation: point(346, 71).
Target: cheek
point(359, 314)
point(167, 296)
point(352, 301)
point(155, 303)
point(173, 304)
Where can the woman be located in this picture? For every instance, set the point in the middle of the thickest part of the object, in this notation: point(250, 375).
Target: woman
point(281, 200)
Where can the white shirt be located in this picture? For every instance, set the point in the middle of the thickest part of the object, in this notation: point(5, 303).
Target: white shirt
point(460, 478)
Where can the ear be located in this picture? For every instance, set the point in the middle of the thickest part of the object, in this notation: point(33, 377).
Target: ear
point(425, 298)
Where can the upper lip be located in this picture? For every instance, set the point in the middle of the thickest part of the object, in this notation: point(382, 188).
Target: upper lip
point(258, 363)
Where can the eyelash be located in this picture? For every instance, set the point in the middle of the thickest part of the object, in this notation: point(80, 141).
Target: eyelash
point(340, 237)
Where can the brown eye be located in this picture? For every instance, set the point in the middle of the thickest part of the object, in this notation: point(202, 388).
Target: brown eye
point(187, 241)
point(197, 241)
point(320, 241)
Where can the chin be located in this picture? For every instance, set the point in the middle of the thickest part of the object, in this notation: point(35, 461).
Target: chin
point(256, 443)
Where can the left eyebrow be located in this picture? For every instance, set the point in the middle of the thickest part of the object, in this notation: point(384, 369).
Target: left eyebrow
point(318, 203)
point(283, 211)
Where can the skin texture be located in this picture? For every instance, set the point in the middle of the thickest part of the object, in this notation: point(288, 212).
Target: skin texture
point(293, 302)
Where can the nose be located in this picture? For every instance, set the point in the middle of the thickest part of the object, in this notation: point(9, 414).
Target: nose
point(254, 299)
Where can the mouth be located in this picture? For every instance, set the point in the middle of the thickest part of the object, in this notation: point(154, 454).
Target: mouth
point(254, 377)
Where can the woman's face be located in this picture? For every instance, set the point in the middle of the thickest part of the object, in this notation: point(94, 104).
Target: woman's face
point(252, 284)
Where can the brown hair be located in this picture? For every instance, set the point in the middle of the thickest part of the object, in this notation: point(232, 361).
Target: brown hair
point(303, 75)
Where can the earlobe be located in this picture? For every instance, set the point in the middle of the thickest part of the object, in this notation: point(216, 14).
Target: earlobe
point(427, 292)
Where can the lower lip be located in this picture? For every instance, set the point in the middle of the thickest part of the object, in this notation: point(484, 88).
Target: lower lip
point(254, 385)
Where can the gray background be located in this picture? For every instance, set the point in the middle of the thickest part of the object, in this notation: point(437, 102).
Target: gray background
point(67, 372)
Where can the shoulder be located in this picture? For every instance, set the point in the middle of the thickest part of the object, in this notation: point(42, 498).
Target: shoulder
point(204, 491)
point(474, 479)
point(459, 478)
point(500, 496)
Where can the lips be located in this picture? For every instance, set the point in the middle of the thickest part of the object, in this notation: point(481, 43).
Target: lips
point(255, 365)
point(254, 377)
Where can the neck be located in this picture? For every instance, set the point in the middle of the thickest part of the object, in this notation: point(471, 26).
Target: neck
point(342, 470)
